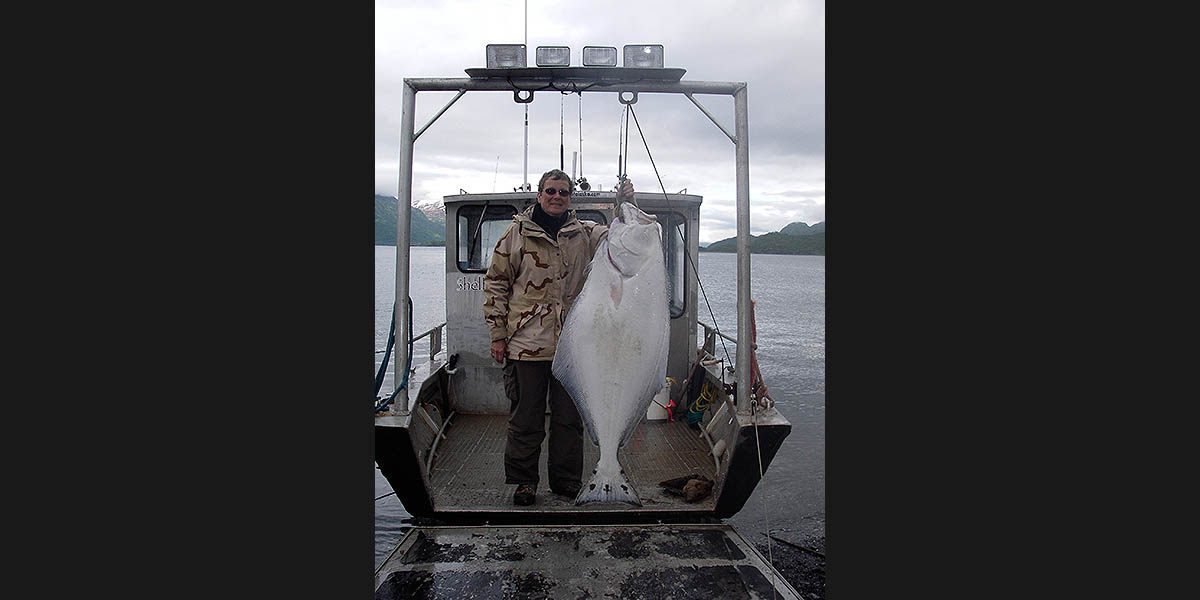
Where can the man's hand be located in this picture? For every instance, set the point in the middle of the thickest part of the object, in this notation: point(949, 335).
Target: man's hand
point(498, 348)
point(625, 193)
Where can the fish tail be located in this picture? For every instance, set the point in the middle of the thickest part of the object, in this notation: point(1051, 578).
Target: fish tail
point(608, 487)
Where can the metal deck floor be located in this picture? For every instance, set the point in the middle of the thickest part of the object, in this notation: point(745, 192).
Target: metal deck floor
point(631, 562)
point(468, 470)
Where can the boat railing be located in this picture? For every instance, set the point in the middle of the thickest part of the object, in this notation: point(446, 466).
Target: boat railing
point(710, 339)
point(435, 339)
point(435, 347)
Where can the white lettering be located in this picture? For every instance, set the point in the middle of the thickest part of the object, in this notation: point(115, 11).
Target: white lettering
point(471, 284)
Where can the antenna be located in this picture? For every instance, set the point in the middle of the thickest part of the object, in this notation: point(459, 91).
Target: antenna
point(525, 185)
point(581, 135)
point(562, 101)
point(496, 173)
point(582, 181)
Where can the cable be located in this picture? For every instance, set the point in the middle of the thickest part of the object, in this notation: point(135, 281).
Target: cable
point(763, 495)
point(689, 254)
point(704, 400)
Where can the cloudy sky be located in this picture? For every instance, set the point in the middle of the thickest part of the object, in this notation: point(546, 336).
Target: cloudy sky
point(776, 46)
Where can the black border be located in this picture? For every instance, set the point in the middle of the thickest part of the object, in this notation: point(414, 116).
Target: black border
point(941, 159)
point(266, 302)
point(932, 154)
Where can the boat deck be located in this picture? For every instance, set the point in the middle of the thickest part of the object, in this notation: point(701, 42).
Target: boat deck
point(468, 469)
point(632, 562)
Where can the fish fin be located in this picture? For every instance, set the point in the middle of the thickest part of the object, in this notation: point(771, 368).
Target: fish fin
point(605, 487)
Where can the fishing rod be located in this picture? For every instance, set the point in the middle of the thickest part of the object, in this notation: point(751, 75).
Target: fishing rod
point(621, 124)
point(623, 158)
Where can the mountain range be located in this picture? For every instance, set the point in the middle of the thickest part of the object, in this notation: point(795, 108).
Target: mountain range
point(795, 238)
point(428, 228)
point(427, 223)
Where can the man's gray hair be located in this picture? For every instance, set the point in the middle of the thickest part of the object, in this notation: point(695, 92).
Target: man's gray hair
point(555, 174)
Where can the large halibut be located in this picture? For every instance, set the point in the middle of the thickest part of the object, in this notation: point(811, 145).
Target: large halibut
point(612, 354)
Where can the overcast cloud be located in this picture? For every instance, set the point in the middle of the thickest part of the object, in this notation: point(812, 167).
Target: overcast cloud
point(776, 47)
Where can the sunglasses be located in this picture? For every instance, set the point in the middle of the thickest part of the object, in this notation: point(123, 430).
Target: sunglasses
point(551, 191)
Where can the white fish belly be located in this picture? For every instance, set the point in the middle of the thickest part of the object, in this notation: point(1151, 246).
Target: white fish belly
point(612, 356)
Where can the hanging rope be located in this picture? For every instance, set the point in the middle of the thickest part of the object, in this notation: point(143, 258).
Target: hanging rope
point(763, 495)
point(704, 400)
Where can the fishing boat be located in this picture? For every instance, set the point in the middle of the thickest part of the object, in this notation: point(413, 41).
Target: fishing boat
point(440, 433)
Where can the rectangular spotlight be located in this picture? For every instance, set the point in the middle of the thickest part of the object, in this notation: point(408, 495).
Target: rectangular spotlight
point(505, 56)
point(649, 56)
point(553, 56)
point(599, 56)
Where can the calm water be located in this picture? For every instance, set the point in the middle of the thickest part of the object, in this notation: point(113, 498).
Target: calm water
point(789, 292)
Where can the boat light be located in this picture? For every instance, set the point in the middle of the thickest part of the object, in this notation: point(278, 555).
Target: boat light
point(644, 56)
point(505, 56)
point(599, 56)
point(553, 56)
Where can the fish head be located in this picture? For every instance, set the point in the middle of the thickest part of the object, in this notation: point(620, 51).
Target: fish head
point(634, 238)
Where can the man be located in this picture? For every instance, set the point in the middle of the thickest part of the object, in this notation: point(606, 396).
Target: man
point(538, 268)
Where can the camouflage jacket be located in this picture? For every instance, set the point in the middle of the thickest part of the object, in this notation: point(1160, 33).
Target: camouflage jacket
point(533, 280)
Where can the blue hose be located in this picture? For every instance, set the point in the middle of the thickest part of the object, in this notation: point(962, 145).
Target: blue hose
point(383, 368)
point(386, 353)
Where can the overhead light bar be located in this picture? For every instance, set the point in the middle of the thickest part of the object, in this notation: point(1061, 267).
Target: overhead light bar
point(553, 56)
point(645, 56)
point(505, 56)
point(599, 56)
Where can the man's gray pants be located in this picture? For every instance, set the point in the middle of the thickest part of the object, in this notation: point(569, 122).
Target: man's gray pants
point(526, 382)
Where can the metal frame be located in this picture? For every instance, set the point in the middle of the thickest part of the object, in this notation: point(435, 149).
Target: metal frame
point(579, 80)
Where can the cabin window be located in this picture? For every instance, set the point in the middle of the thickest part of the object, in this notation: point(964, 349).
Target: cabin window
point(673, 227)
point(591, 215)
point(477, 237)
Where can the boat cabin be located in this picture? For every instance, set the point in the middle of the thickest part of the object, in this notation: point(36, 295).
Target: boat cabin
point(468, 259)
